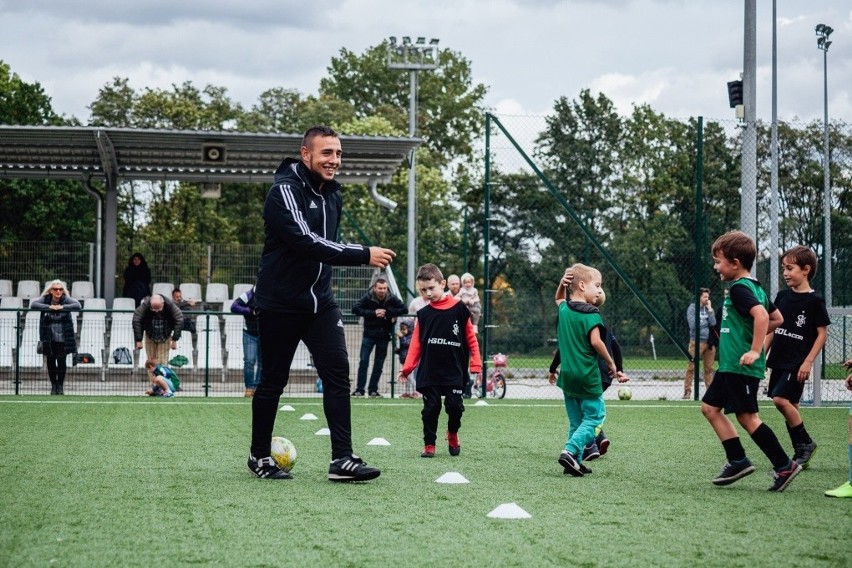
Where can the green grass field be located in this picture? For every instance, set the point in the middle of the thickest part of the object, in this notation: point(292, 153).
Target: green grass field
point(108, 482)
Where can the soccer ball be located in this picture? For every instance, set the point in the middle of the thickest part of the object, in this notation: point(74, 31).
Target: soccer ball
point(283, 452)
point(624, 393)
point(599, 301)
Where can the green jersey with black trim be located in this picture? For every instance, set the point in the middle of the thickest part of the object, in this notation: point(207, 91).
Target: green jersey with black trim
point(737, 333)
point(579, 374)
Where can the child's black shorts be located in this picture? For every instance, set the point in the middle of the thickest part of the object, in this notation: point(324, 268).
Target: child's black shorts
point(734, 392)
point(784, 384)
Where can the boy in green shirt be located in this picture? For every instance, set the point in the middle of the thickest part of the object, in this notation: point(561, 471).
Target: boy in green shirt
point(747, 317)
point(580, 332)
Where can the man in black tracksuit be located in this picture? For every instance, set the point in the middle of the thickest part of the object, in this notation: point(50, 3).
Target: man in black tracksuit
point(293, 294)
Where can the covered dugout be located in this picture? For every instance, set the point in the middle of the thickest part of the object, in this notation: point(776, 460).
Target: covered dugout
point(113, 155)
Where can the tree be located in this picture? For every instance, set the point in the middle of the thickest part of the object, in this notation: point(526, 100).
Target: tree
point(55, 210)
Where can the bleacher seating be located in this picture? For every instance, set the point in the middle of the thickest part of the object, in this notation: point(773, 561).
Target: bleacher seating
point(164, 289)
point(240, 288)
point(28, 289)
point(82, 290)
point(217, 293)
point(191, 291)
point(123, 304)
point(6, 288)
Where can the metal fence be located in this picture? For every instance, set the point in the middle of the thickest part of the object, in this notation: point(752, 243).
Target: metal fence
point(641, 207)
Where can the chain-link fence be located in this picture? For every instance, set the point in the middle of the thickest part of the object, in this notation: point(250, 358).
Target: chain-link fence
point(640, 198)
point(209, 361)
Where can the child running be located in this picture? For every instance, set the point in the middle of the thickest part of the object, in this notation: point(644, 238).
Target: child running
point(442, 348)
point(581, 334)
point(747, 317)
point(795, 345)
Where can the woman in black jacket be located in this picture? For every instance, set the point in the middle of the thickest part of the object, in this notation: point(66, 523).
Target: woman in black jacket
point(137, 279)
point(56, 330)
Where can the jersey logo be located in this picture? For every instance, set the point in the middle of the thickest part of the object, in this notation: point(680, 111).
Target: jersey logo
point(339, 323)
point(456, 328)
point(800, 320)
point(313, 205)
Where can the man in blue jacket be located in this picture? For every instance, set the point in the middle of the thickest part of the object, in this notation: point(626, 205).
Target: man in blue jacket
point(295, 302)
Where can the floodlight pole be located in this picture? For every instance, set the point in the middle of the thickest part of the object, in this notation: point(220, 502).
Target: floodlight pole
point(412, 57)
point(773, 177)
point(823, 32)
point(748, 176)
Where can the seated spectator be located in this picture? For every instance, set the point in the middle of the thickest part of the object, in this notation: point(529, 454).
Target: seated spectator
point(184, 305)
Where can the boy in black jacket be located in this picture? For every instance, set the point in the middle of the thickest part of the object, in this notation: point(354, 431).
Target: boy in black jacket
point(442, 349)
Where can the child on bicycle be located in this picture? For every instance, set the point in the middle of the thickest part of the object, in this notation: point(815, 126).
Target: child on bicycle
point(581, 334)
point(443, 347)
point(600, 445)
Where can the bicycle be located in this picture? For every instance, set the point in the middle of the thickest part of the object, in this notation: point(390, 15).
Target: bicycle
point(496, 385)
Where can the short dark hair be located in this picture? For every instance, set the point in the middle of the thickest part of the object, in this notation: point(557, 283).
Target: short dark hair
point(802, 256)
point(379, 281)
point(736, 245)
point(430, 272)
point(703, 291)
point(315, 131)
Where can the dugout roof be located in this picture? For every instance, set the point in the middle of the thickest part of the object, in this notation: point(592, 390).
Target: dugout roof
point(88, 152)
point(113, 155)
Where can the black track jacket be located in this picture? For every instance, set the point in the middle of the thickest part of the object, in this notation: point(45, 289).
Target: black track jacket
point(300, 225)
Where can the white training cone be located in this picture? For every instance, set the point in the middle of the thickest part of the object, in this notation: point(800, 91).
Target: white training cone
point(286, 408)
point(481, 403)
point(452, 477)
point(308, 416)
point(378, 442)
point(509, 511)
point(323, 432)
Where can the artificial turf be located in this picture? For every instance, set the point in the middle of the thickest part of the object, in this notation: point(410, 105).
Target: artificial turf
point(94, 481)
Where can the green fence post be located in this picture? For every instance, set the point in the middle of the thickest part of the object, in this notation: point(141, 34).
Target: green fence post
point(699, 251)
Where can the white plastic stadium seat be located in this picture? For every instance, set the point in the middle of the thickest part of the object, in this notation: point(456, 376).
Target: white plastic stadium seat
point(209, 343)
point(164, 289)
point(6, 288)
point(217, 293)
point(240, 288)
point(29, 356)
point(120, 335)
point(92, 333)
point(29, 289)
point(191, 291)
point(8, 329)
point(234, 340)
point(82, 290)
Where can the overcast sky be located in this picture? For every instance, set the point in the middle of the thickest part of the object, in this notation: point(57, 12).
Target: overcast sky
point(675, 55)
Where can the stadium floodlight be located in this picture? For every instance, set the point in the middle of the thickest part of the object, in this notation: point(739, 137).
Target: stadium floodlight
point(413, 58)
point(823, 32)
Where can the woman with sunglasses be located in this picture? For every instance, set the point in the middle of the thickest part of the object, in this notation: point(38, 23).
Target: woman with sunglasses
point(56, 330)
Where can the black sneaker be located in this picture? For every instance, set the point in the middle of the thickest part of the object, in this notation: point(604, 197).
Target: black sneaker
point(591, 452)
point(804, 452)
point(785, 476)
point(603, 443)
point(734, 471)
point(375, 395)
point(357, 393)
point(351, 468)
point(266, 468)
point(569, 462)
